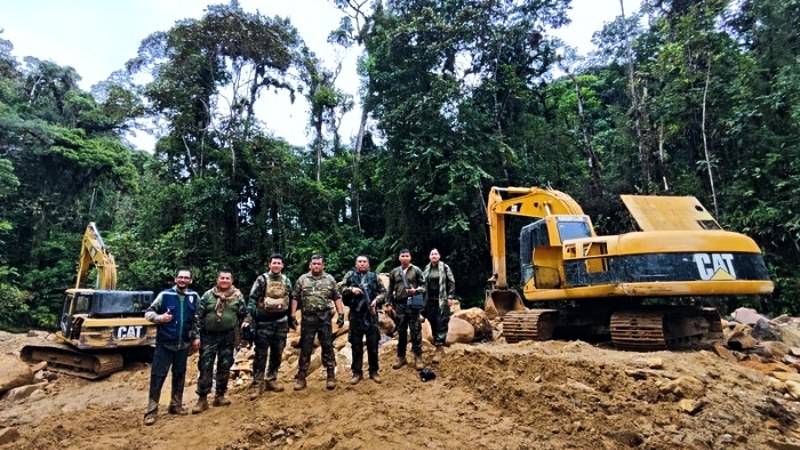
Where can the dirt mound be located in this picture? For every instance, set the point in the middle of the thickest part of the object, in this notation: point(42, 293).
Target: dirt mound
point(552, 395)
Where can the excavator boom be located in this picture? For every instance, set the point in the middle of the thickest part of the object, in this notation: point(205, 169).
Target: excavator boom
point(94, 252)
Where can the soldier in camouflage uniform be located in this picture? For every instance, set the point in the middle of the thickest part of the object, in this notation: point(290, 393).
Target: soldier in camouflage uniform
point(440, 286)
point(405, 281)
point(269, 306)
point(313, 293)
point(362, 292)
point(220, 311)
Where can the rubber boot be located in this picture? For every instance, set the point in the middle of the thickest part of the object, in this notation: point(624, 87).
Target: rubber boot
point(330, 384)
point(220, 400)
point(400, 363)
point(202, 405)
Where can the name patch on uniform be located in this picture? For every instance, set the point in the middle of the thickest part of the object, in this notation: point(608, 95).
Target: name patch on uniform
point(715, 266)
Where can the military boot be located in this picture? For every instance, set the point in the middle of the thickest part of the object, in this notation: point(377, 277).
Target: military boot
point(274, 386)
point(177, 410)
point(375, 377)
point(356, 378)
point(220, 400)
point(299, 384)
point(418, 363)
point(330, 383)
point(438, 354)
point(201, 405)
point(150, 418)
point(400, 363)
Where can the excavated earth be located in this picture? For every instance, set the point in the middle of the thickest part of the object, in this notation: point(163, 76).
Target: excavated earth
point(537, 395)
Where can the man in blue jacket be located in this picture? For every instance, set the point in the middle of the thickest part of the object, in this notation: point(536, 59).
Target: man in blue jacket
point(173, 311)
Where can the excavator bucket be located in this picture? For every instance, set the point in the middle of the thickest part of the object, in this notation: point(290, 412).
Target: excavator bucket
point(500, 301)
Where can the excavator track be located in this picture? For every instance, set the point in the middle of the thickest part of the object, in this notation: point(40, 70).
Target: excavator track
point(661, 329)
point(532, 324)
point(65, 359)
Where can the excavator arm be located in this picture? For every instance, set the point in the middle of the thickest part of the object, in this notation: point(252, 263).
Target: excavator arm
point(525, 202)
point(94, 252)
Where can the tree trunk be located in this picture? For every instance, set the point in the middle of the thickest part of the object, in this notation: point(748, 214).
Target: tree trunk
point(595, 166)
point(356, 182)
point(705, 141)
point(644, 158)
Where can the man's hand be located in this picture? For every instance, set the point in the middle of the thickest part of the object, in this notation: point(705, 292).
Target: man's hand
point(245, 324)
point(165, 318)
point(340, 320)
point(292, 323)
point(356, 291)
point(195, 345)
point(451, 301)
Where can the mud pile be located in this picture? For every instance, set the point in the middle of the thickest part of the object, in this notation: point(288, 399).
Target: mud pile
point(542, 395)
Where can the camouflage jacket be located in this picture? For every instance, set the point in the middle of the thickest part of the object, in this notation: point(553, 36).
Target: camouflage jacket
point(315, 293)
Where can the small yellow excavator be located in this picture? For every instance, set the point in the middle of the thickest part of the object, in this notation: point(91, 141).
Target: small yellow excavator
point(97, 325)
point(614, 285)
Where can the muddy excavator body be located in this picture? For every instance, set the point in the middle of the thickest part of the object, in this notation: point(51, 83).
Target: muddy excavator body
point(98, 327)
point(681, 253)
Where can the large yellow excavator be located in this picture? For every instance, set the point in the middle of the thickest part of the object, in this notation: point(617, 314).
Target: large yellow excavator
point(599, 285)
point(97, 325)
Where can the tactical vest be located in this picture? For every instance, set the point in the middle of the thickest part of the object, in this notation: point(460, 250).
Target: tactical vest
point(276, 295)
point(316, 292)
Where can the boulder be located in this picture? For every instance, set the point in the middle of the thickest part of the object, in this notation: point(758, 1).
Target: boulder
point(793, 389)
point(747, 316)
point(21, 393)
point(460, 331)
point(684, 387)
point(774, 350)
point(477, 318)
point(763, 330)
point(790, 335)
point(724, 353)
point(385, 323)
point(340, 342)
point(427, 333)
point(13, 373)
point(740, 338)
point(345, 356)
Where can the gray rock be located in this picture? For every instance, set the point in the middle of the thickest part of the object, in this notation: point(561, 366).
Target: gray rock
point(748, 316)
point(763, 330)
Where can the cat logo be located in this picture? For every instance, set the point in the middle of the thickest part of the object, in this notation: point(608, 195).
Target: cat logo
point(128, 332)
point(715, 266)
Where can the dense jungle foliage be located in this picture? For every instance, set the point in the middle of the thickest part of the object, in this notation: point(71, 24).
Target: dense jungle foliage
point(680, 97)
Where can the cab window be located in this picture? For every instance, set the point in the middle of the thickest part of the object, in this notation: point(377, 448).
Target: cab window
point(573, 230)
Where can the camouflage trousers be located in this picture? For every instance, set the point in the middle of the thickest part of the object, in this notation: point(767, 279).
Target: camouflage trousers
point(219, 347)
point(270, 339)
point(315, 323)
point(439, 319)
point(408, 319)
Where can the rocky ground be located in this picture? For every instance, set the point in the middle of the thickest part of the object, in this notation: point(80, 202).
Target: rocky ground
point(551, 395)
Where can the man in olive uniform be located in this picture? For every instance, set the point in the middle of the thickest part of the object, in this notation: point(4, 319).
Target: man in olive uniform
point(362, 291)
point(313, 293)
point(269, 307)
point(406, 281)
point(219, 313)
point(173, 310)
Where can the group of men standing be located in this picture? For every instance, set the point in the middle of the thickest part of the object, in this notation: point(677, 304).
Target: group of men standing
point(210, 323)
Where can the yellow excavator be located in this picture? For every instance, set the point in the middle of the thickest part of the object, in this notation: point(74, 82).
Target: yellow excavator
point(615, 285)
point(97, 325)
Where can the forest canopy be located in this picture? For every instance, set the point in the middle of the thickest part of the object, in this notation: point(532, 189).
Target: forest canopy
point(679, 98)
